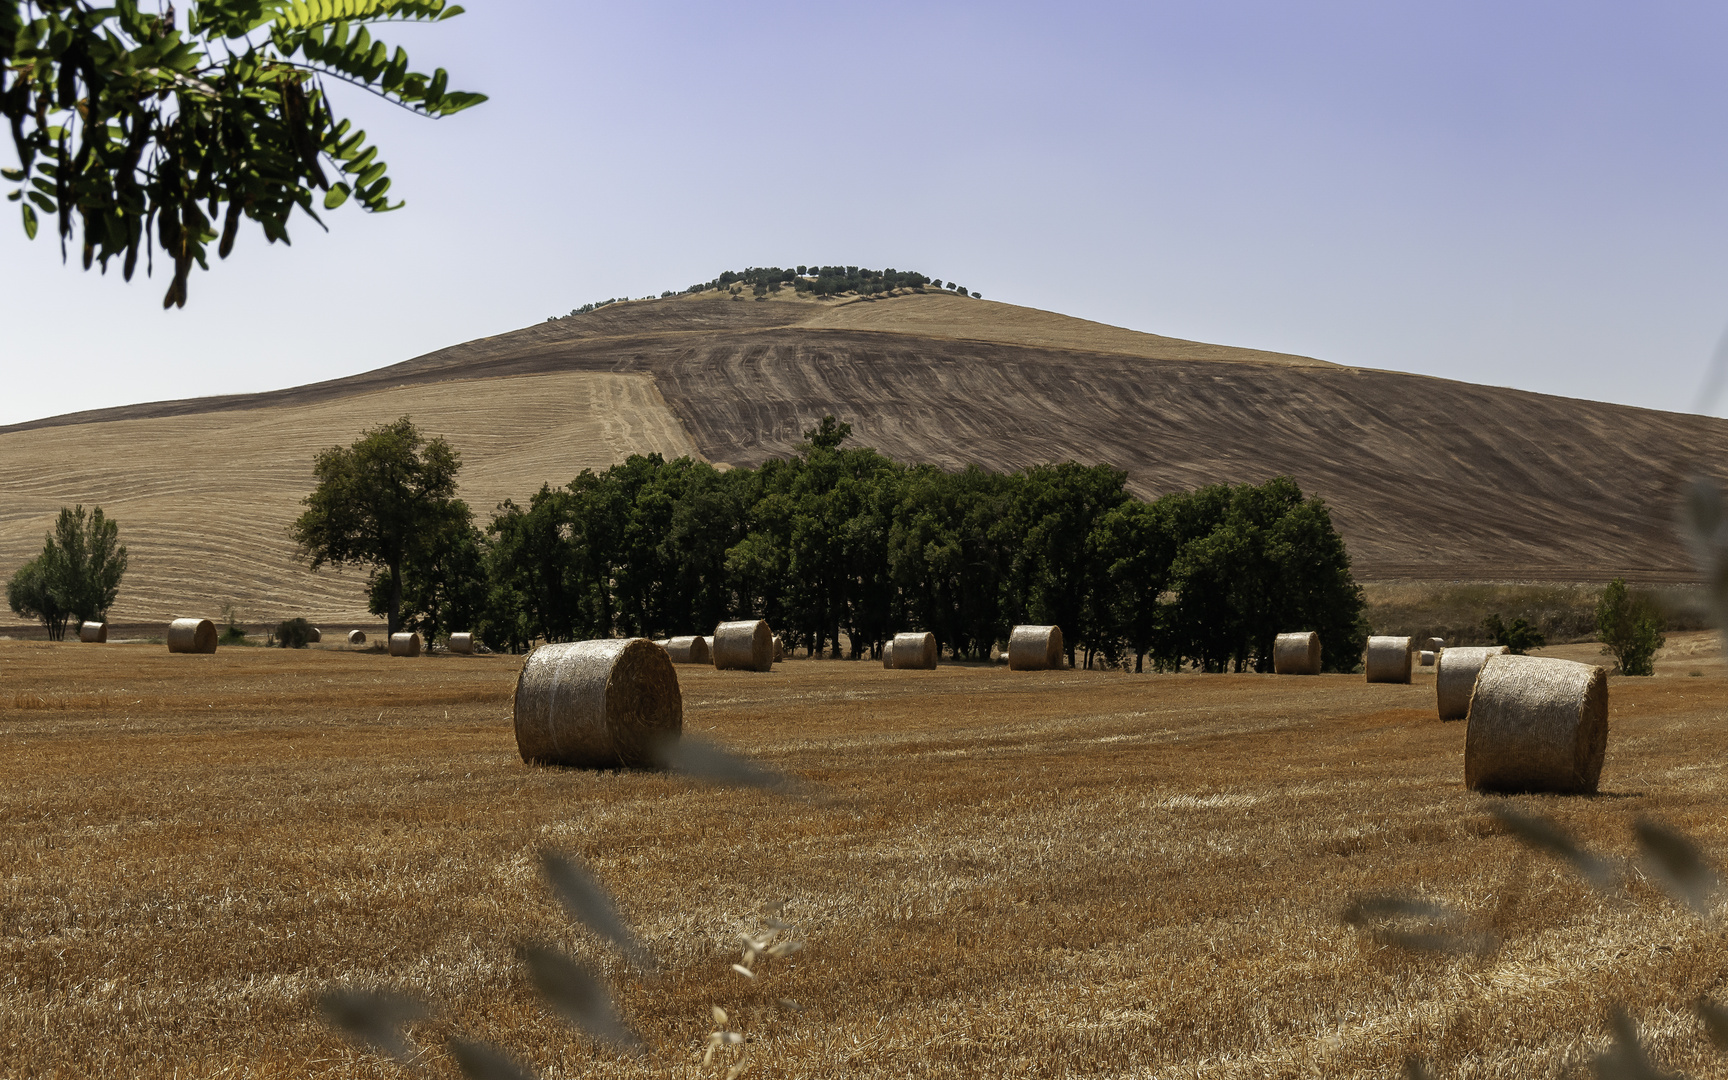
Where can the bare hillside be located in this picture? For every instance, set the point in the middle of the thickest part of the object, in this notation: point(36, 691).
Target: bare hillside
point(205, 500)
point(1428, 478)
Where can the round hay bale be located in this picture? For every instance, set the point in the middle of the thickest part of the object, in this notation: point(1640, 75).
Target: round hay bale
point(1296, 654)
point(404, 644)
point(1425, 658)
point(1387, 659)
point(1455, 672)
point(888, 654)
point(688, 650)
point(460, 643)
point(1035, 648)
point(192, 636)
point(1434, 644)
point(1536, 724)
point(914, 652)
point(745, 645)
point(597, 704)
point(779, 649)
point(356, 637)
point(93, 633)
point(314, 636)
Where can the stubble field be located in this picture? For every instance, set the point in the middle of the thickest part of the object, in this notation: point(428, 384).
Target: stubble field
point(993, 873)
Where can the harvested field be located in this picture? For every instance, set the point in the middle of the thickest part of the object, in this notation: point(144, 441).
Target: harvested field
point(1490, 484)
point(1063, 873)
point(204, 501)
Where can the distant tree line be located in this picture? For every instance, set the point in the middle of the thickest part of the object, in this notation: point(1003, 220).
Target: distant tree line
point(761, 281)
point(838, 543)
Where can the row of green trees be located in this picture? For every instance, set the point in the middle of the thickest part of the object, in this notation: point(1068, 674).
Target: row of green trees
point(77, 575)
point(818, 280)
point(840, 544)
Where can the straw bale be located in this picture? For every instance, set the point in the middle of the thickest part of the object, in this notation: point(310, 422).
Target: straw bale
point(1387, 659)
point(779, 649)
point(1455, 672)
point(356, 637)
point(745, 645)
point(314, 636)
point(1296, 654)
point(460, 643)
point(1434, 644)
point(1425, 658)
point(1536, 724)
point(688, 650)
point(603, 704)
point(192, 636)
point(93, 633)
point(914, 651)
point(1035, 648)
point(888, 654)
point(404, 644)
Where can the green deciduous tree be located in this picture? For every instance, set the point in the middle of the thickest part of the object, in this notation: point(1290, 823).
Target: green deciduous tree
point(135, 131)
point(77, 575)
point(388, 498)
point(1630, 629)
point(1518, 636)
point(30, 594)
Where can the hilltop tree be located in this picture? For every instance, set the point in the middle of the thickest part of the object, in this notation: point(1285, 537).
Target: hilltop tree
point(136, 131)
point(77, 575)
point(389, 497)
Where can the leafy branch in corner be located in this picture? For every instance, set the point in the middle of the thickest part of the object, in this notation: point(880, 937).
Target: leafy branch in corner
point(134, 131)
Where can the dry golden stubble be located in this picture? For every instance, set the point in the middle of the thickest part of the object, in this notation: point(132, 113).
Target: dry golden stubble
point(1083, 873)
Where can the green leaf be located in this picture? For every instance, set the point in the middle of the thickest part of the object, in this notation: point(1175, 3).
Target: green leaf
point(29, 222)
point(12, 174)
point(43, 201)
point(336, 196)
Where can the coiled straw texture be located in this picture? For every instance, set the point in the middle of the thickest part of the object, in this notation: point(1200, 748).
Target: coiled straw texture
point(1387, 659)
point(1296, 654)
point(1537, 724)
point(745, 645)
point(914, 651)
point(688, 650)
point(192, 636)
point(612, 703)
point(1035, 648)
point(1455, 674)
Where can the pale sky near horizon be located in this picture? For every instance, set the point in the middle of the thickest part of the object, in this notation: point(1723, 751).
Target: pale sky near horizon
point(1520, 194)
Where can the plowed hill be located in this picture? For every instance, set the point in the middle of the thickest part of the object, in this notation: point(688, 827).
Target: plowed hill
point(1428, 478)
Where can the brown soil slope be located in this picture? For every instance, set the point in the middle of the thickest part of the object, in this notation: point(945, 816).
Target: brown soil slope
point(1428, 478)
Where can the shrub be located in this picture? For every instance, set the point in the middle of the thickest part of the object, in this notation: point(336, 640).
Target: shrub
point(293, 633)
point(1519, 637)
point(232, 632)
point(1630, 629)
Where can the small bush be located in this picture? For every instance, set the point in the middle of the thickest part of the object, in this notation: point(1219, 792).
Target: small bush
point(232, 632)
point(293, 634)
point(1519, 637)
point(1630, 628)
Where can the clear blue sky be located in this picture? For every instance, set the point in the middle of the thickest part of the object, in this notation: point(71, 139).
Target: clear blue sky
point(1522, 194)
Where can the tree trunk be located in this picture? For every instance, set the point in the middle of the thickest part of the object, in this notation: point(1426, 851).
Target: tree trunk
point(395, 614)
